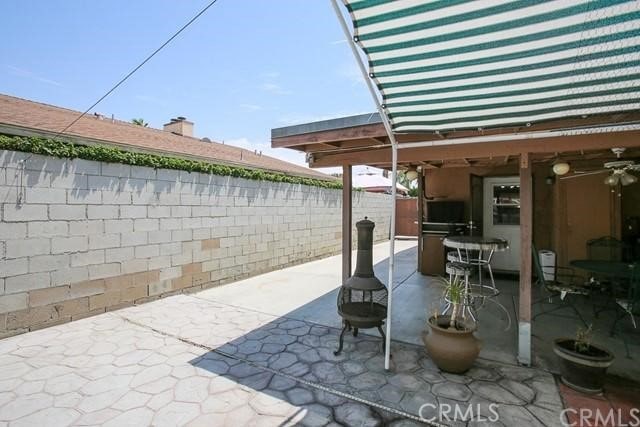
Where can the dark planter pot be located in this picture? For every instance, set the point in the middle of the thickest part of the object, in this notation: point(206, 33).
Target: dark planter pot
point(582, 372)
point(452, 350)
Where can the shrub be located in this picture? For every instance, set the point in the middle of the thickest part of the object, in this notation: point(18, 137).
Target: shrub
point(104, 153)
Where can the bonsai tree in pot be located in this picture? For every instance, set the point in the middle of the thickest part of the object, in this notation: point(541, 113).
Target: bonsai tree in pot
point(450, 341)
point(583, 365)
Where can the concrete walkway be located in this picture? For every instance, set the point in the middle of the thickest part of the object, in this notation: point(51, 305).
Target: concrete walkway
point(309, 291)
point(194, 360)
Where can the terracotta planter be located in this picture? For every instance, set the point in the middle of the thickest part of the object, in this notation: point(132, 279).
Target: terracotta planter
point(582, 372)
point(452, 350)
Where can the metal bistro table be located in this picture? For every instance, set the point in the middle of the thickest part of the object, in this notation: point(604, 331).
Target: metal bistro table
point(613, 269)
point(467, 247)
point(616, 271)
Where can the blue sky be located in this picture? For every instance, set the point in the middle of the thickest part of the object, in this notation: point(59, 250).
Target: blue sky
point(244, 67)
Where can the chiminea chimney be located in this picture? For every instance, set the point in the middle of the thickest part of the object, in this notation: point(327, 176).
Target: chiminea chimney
point(180, 126)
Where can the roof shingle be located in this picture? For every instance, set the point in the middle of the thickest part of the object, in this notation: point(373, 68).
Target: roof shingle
point(50, 119)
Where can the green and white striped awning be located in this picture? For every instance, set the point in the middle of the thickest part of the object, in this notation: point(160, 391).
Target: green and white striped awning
point(453, 64)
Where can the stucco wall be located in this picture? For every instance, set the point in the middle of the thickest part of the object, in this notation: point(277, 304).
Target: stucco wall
point(80, 237)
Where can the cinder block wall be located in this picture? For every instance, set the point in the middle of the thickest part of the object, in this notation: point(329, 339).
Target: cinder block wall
point(80, 237)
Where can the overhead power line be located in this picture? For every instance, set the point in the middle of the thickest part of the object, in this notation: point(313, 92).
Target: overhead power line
point(132, 72)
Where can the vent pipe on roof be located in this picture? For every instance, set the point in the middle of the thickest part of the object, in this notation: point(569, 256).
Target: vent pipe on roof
point(179, 126)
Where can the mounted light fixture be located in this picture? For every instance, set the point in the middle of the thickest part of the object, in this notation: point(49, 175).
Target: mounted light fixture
point(411, 174)
point(620, 176)
point(628, 179)
point(612, 180)
point(561, 168)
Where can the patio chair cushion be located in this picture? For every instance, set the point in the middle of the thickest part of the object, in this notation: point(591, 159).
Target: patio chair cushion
point(567, 289)
point(625, 304)
point(452, 256)
point(458, 268)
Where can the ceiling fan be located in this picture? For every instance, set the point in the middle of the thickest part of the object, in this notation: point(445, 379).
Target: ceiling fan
point(618, 170)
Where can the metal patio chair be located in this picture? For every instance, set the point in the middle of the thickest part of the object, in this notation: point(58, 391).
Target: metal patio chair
point(605, 248)
point(563, 286)
point(629, 305)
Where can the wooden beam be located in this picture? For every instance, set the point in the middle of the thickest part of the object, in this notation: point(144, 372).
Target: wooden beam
point(482, 150)
point(336, 146)
point(526, 235)
point(559, 231)
point(379, 140)
point(375, 130)
point(616, 213)
point(347, 213)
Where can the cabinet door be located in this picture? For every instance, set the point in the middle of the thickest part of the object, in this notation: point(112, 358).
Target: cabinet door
point(433, 255)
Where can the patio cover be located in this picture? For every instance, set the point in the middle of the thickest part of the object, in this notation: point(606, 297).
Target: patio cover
point(454, 64)
point(449, 65)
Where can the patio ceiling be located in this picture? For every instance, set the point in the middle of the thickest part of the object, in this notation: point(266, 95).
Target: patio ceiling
point(362, 140)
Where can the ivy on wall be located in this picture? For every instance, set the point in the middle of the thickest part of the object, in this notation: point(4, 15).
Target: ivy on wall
point(103, 153)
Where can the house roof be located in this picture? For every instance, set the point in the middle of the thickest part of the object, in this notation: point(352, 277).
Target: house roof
point(23, 117)
point(375, 181)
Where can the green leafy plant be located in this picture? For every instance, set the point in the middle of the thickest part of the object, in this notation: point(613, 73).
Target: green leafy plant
point(139, 122)
point(582, 343)
point(410, 185)
point(454, 292)
point(103, 153)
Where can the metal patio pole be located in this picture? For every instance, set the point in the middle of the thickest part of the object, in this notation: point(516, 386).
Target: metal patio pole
point(392, 245)
point(394, 171)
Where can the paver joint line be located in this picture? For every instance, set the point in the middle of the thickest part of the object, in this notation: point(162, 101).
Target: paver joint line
point(291, 377)
point(209, 300)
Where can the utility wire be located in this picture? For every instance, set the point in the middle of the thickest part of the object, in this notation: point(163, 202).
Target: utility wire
point(132, 72)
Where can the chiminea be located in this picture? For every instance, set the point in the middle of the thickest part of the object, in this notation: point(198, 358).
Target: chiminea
point(362, 301)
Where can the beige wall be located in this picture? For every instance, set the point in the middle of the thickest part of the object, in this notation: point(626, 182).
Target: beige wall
point(80, 237)
point(566, 213)
point(631, 201)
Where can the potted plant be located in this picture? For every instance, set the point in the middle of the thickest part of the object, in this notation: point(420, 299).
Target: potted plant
point(583, 365)
point(450, 341)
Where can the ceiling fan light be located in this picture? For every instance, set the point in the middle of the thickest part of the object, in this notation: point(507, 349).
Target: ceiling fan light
point(628, 179)
point(612, 180)
point(561, 168)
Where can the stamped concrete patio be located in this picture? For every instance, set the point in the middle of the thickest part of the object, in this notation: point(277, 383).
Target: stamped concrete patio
point(252, 353)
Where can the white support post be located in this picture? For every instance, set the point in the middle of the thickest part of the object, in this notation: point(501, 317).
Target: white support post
point(394, 171)
point(392, 246)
